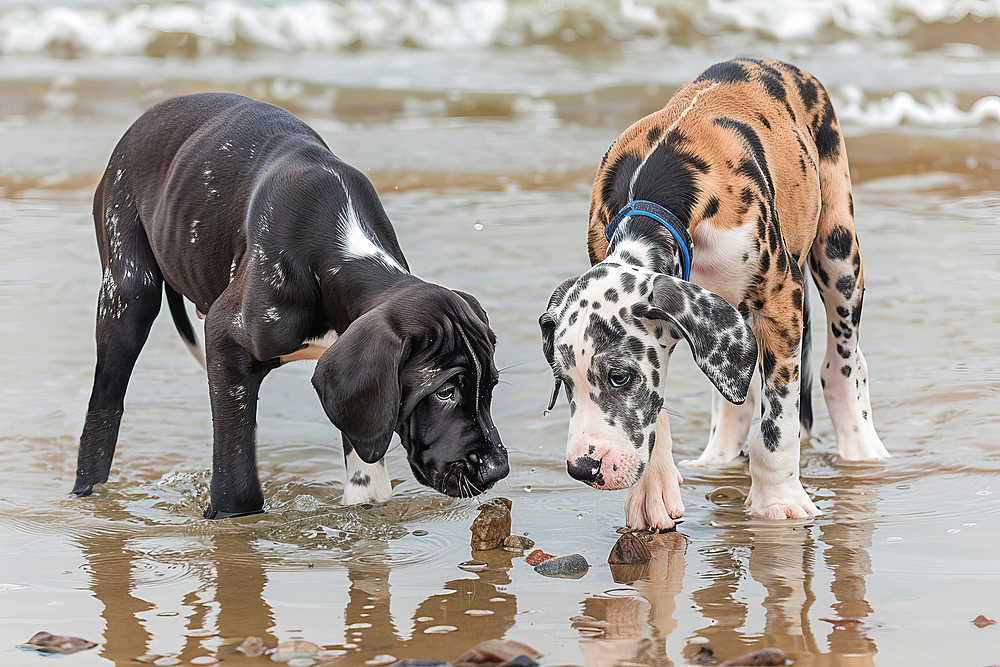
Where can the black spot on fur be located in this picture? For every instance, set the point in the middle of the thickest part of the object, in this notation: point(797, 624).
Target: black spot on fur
point(667, 177)
point(764, 121)
point(628, 282)
point(767, 363)
point(611, 294)
point(845, 370)
point(843, 312)
point(771, 433)
point(846, 285)
point(756, 169)
point(765, 262)
point(711, 208)
point(727, 72)
point(839, 243)
point(826, 135)
point(615, 185)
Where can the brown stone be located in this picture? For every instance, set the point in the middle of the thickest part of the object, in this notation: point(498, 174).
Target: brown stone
point(536, 557)
point(495, 652)
point(767, 656)
point(517, 543)
point(252, 647)
point(492, 526)
point(46, 642)
point(629, 550)
point(981, 621)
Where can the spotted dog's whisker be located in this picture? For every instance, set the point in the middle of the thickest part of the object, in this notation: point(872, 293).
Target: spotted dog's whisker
point(703, 217)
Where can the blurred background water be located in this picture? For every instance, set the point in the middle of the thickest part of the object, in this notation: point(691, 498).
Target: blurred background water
point(481, 123)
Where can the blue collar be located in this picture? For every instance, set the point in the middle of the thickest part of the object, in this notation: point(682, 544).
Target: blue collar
point(662, 216)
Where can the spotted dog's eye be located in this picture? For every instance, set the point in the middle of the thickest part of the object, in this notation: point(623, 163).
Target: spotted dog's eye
point(619, 379)
point(445, 393)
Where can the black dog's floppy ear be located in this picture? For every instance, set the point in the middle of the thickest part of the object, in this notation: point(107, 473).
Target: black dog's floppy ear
point(358, 382)
point(721, 341)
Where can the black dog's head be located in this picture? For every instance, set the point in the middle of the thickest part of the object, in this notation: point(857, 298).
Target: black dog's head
point(420, 364)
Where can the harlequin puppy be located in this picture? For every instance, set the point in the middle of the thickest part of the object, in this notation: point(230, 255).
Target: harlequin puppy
point(240, 207)
point(703, 216)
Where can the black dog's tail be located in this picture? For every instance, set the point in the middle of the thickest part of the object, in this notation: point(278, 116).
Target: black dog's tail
point(805, 368)
point(183, 323)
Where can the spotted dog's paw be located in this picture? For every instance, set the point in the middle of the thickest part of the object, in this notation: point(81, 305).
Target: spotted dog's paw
point(707, 460)
point(654, 501)
point(780, 503)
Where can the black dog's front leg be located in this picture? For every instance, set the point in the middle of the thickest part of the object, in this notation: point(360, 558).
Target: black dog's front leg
point(234, 379)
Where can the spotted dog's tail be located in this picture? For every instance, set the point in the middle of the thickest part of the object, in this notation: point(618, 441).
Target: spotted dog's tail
point(178, 311)
point(805, 367)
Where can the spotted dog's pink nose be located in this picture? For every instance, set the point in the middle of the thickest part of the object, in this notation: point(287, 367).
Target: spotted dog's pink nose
point(587, 470)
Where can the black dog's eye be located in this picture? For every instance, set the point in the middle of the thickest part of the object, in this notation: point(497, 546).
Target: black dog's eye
point(446, 393)
point(619, 379)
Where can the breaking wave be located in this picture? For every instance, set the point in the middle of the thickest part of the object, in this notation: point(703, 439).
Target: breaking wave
point(327, 25)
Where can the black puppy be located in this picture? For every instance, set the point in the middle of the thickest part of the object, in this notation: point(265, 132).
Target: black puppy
point(240, 207)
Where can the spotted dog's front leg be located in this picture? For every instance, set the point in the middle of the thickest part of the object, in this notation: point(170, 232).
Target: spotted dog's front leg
point(775, 489)
point(655, 500)
point(366, 482)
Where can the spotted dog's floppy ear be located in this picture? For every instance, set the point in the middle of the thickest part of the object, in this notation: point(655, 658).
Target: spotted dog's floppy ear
point(721, 341)
point(548, 324)
point(358, 380)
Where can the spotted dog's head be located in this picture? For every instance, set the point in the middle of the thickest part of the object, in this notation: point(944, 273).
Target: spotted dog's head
point(608, 336)
point(420, 364)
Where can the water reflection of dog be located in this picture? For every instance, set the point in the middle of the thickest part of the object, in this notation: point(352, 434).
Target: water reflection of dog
point(232, 568)
point(783, 562)
point(636, 627)
point(373, 630)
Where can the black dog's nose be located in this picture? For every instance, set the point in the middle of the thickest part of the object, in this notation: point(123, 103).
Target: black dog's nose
point(491, 470)
point(585, 469)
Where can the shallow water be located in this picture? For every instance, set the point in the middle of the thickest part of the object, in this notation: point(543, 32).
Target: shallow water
point(482, 135)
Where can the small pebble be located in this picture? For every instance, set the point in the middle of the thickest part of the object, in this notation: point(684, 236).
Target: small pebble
point(204, 660)
point(439, 629)
point(46, 642)
point(420, 533)
point(478, 612)
point(201, 632)
point(166, 661)
point(517, 543)
point(301, 662)
point(705, 656)
point(497, 651)
point(473, 565)
point(536, 557)
point(381, 659)
point(498, 599)
point(252, 647)
point(725, 494)
point(981, 621)
point(573, 566)
point(297, 648)
point(767, 656)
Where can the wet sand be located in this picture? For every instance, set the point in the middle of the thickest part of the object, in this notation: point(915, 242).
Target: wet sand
point(484, 160)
